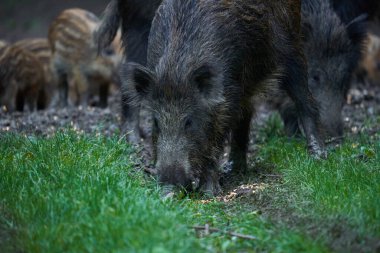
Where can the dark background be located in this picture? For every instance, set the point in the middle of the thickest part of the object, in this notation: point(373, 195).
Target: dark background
point(21, 19)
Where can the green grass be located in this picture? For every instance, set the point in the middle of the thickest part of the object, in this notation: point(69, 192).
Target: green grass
point(79, 193)
point(345, 186)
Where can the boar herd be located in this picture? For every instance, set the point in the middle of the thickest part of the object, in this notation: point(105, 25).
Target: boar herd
point(80, 70)
point(196, 66)
point(63, 69)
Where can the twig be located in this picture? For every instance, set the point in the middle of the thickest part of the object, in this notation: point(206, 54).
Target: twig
point(270, 175)
point(150, 171)
point(209, 230)
point(334, 139)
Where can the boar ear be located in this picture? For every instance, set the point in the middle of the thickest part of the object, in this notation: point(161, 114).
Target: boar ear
point(109, 26)
point(140, 79)
point(357, 29)
point(204, 78)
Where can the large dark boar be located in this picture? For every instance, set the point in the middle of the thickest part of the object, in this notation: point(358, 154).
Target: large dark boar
point(333, 50)
point(135, 18)
point(206, 60)
point(21, 76)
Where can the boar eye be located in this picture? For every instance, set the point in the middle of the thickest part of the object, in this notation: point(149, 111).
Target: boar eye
point(315, 81)
point(188, 123)
point(316, 78)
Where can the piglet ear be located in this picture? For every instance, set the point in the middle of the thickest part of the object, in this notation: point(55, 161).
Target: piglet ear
point(357, 30)
point(204, 78)
point(139, 80)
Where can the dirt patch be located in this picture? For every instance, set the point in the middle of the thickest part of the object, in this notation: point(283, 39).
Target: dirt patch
point(275, 204)
point(92, 120)
point(362, 114)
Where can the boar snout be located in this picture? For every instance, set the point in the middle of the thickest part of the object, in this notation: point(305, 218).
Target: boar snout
point(176, 175)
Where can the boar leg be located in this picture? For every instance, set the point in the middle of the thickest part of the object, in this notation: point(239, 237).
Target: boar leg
point(290, 118)
point(103, 95)
point(9, 97)
point(80, 88)
point(131, 121)
point(240, 140)
point(31, 101)
point(43, 98)
point(295, 84)
point(63, 89)
point(20, 100)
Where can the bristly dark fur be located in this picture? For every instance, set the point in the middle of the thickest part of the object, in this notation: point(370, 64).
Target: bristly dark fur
point(327, 36)
point(110, 24)
point(206, 59)
point(350, 9)
point(134, 17)
point(333, 49)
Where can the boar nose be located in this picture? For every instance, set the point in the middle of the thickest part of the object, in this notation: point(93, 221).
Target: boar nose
point(174, 175)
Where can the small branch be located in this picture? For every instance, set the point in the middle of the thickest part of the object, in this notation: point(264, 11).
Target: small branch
point(209, 230)
point(150, 171)
point(270, 175)
point(334, 139)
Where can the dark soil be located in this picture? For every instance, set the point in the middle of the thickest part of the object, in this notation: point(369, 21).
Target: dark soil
point(359, 117)
point(47, 122)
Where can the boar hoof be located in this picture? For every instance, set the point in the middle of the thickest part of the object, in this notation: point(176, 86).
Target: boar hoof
point(168, 192)
point(133, 138)
point(316, 150)
point(319, 154)
point(133, 135)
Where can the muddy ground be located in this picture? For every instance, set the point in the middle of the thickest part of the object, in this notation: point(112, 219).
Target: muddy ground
point(364, 105)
